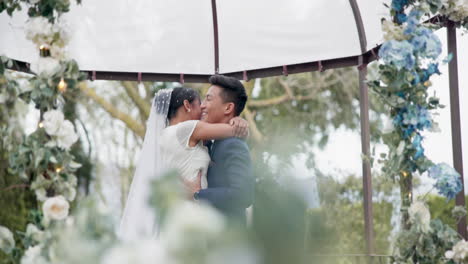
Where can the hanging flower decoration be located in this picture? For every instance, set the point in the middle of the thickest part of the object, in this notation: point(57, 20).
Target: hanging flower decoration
point(410, 57)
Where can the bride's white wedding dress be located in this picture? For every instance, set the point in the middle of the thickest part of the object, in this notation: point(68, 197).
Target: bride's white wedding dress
point(164, 147)
point(177, 154)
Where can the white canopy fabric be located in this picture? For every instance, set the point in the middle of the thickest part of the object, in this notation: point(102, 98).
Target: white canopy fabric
point(178, 36)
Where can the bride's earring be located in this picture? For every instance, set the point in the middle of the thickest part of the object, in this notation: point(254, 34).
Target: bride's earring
point(189, 110)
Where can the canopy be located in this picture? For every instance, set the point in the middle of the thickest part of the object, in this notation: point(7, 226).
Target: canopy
point(201, 38)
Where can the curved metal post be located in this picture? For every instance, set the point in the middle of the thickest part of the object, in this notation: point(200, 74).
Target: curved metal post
point(455, 119)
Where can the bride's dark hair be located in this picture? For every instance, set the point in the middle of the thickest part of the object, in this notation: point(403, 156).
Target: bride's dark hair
point(178, 96)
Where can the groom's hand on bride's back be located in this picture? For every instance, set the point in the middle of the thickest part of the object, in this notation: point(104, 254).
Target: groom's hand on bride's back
point(241, 127)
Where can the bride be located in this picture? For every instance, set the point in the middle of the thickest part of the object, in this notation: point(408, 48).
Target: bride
point(173, 140)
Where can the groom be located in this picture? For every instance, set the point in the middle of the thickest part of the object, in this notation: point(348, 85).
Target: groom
point(230, 180)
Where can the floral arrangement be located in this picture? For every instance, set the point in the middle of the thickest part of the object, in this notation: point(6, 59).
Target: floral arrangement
point(42, 159)
point(410, 57)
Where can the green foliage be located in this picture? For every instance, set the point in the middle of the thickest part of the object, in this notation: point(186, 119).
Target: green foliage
point(414, 246)
point(46, 8)
point(44, 92)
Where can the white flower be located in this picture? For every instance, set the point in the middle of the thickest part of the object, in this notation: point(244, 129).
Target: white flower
point(392, 31)
point(34, 233)
point(52, 122)
point(45, 66)
point(191, 220)
point(7, 242)
point(449, 254)
point(147, 251)
point(33, 2)
point(63, 130)
point(388, 126)
point(33, 256)
point(66, 135)
point(41, 194)
point(38, 26)
point(459, 252)
point(56, 208)
point(420, 215)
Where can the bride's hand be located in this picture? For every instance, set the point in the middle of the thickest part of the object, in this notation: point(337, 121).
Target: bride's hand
point(241, 127)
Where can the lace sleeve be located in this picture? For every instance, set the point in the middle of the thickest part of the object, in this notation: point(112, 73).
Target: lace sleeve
point(185, 130)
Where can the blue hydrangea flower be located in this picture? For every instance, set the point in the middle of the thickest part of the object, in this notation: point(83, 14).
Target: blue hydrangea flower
point(448, 181)
point(398, 53)
point(398, 5)
point(426, 43)
point(412, 22)
point(411, 118)
point(433, 68)
point(417, 146)
point(401, 18)
point(417, 116)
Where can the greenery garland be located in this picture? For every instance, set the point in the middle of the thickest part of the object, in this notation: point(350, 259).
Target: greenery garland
point(43, 159)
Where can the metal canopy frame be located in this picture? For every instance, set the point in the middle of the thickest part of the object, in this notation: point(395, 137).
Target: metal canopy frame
point(361, 61)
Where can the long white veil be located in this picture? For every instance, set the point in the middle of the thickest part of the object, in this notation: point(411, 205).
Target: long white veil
point(139, 220)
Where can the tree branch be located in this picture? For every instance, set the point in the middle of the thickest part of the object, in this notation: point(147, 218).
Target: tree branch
point(114, 112)
point(141, 103)
point(286, 87)
point(250, 117)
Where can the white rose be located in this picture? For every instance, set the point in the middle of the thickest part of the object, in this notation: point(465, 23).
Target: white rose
point(56, 208)
point(66, 135)
point(7, 242)
point(33, 256)
point(52, 122)
point(147, 251)
point(449, 254)
point(45, 66)
point(420, 215)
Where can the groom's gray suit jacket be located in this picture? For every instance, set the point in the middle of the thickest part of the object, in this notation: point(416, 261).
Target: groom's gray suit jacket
point(231, 184)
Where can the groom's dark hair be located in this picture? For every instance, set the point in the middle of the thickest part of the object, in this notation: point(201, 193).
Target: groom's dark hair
point(233, 91)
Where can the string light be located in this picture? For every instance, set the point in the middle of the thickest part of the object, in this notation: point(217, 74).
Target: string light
point(404, 174)
point(58, 170)
point(41, 125)
point(62, 86)
point(44, 51)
